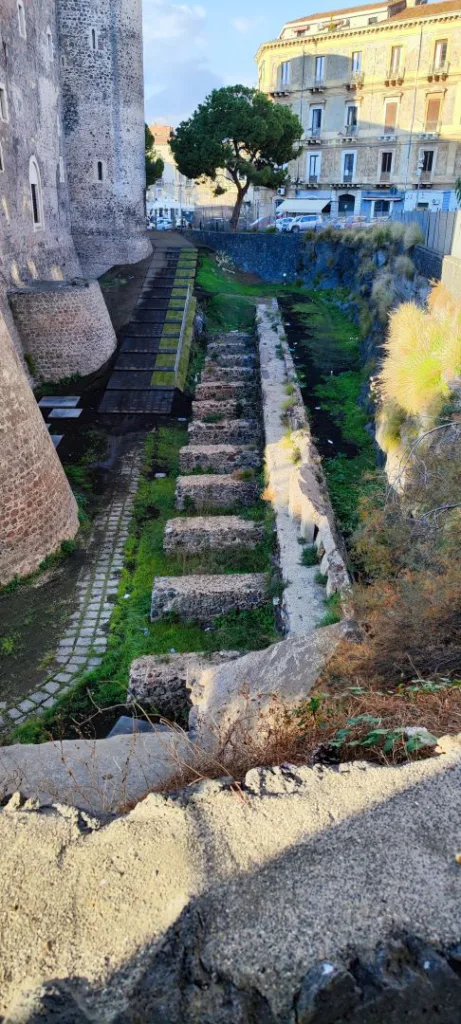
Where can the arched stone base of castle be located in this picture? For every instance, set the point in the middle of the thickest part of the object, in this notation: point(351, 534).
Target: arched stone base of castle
point(65, 327)
point(37, 508)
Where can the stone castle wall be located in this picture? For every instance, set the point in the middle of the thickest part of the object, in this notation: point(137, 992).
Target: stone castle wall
point(65, 328)
point(37, 508)
point(103, 119)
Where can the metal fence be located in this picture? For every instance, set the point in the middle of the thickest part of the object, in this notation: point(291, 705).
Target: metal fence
point(437, 228)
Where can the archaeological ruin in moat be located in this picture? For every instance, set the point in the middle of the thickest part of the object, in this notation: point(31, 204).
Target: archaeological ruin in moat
point(229, 590)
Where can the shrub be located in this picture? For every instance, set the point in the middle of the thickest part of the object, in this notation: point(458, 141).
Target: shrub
point(412, 235)
point(423, 354)
point(382, 294)
point(404, 265)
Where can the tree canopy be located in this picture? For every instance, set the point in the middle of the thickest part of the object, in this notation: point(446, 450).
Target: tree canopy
point(154, 163)
point(239, 130)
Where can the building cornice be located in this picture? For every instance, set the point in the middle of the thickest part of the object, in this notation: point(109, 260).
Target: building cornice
point(365, 30)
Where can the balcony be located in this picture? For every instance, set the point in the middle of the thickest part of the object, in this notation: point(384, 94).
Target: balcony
point(313, 136)
point(384, 178)
point(350, 132)
point(395, 76)
point(431, 130)
point(348, 177)
point(438, 72)
point(356, 80)
point(313, 179)
point(318, 84)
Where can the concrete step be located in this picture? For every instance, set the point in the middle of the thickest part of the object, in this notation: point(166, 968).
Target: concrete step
point(224, 410)
point(223, 374)
point(210, 533)
point(164, 680)
point(203, 598)
point(210, 491)
point(230, 432)
point(233, 390)
point(219, 458)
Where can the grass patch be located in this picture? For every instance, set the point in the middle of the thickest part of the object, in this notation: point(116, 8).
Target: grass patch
point(309, 556)
point(333, 611)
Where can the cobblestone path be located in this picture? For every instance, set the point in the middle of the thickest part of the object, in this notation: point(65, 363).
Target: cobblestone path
point(85, 639)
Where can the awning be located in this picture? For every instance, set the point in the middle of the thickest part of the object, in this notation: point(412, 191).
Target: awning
point(302, 206)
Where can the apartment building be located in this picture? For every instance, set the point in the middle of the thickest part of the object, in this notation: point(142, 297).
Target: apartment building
point(378, 91)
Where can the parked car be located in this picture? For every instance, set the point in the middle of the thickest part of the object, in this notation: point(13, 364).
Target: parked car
point(284, 223)
point(306, 223)
point(163, 224)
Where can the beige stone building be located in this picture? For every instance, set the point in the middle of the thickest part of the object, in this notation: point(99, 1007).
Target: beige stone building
point(173, 191)
point(378, 91)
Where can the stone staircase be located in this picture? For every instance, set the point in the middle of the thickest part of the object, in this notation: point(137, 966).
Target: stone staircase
point(218, 475)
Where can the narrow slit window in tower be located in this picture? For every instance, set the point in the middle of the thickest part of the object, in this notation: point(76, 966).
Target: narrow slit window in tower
point(100, 169)
point(22, 19)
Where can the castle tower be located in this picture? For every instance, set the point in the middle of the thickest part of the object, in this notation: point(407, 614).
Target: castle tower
point(37, 508)
point(100, 44)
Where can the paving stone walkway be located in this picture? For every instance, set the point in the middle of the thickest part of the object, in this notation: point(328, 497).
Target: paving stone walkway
point(83, 644)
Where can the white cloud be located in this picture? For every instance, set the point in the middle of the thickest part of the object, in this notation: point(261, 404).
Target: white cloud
point(246, 24)
point(177, 75)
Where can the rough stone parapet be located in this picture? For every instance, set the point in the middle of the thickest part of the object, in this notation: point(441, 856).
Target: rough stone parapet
point(218, 458)
point(203, 598)
point(163, 681)
point(210, 533)
point(230, 355)
point(224, 374)
point(228, 432)
point(232, 391)
point(65, 328)
point(209, 491)
point(229, 410)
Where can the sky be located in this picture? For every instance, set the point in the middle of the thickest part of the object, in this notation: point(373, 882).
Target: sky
point(192, 48)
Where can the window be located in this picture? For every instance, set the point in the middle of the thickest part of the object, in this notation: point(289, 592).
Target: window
point(100, 170)
point(357, 60)
point(319, 69)
point(3, 104)
point(382, 207)
point(285, 73)
point(426, 161)
point(313, 167)
point(262, 71)
point(316, 120)
point(386, 163)
point(348, 166)
point(433, 113)
point(372, 21)
point(390, 115)
point(94, 39)
point(36, 193)
point(351, 115)
point(440, 53)
point(49, 45)
point(396, 60)
point(22, 19)
point(2, 165)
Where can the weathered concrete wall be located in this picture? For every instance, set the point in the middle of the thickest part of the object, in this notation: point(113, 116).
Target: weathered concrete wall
point(65, 328)
point(309, 895)
point(37, 508)
point(103, 117)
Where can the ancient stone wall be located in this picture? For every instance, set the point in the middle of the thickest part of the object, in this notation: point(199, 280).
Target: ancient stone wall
point(103, 117)
point(29, 73)
point(65, 328)
point(37, 508)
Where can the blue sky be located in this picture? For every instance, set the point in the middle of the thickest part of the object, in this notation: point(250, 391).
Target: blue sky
point(191, 48)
